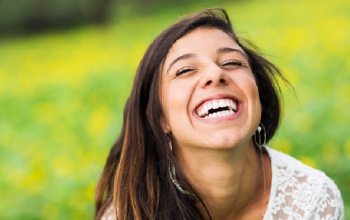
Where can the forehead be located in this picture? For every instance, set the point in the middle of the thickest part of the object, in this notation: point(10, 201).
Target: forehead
point(200, 40)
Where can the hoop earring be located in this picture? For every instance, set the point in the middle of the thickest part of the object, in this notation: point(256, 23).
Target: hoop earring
point(260, 142)
point(172, 172)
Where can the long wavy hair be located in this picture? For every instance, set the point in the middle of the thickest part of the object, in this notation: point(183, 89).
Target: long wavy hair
point(135, 179)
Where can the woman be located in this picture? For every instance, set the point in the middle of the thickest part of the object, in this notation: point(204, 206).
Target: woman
point(202, 107)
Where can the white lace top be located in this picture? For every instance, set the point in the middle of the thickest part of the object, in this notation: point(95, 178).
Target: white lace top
point(298, 192)
point(301, 192)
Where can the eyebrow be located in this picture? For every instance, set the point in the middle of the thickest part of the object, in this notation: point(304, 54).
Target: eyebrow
point(229, 49)
point(220, 51)
point(182, 57)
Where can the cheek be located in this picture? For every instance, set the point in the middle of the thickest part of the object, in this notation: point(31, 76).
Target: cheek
point(249, 87)
point(255, 92)
point(254, 95)
point(170, 100)
point(255, 99)
point(164, 102)
point(175, 102)
point(247, 84)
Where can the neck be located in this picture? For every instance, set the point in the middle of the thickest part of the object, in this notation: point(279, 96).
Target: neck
point(230, 181)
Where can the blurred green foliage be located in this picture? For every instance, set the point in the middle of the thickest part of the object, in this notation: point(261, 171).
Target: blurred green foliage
point(62, 95)
point(33, 15)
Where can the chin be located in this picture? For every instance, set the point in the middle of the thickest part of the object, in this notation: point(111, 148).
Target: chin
point(225, 143)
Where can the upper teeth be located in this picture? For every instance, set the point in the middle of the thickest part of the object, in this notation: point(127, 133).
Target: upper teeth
point(203, 110)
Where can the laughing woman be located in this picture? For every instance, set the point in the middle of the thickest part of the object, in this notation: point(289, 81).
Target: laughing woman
point(202, 107)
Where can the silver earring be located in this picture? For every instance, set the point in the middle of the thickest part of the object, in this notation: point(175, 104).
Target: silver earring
point(167, 137)
point(260, 141)
point(170, 145)
point(172, 173)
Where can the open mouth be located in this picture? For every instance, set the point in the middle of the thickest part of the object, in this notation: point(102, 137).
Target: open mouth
point(217, 108)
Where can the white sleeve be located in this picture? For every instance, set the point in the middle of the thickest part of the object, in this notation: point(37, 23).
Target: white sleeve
point(109, 213)
point(330, 204)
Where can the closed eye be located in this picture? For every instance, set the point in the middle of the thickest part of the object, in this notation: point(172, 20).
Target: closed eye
point(232, 63)
point(184, 70)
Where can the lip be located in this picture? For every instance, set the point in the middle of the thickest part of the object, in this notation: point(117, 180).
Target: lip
point(220, 96)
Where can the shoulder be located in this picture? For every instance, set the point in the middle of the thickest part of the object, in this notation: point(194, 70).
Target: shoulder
point(288, 169)
point(287, 166)
point(301, 191)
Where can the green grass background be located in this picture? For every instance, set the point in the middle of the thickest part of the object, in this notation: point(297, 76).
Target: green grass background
point(62, 95)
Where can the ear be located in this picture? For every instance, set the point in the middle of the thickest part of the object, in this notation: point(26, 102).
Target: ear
point(165, 126)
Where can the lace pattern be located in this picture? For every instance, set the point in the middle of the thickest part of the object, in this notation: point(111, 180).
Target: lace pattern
point(109, 214)
point(298, 192)
point(301, 192)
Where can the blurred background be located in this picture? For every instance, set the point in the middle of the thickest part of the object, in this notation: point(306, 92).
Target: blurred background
point(66, 69)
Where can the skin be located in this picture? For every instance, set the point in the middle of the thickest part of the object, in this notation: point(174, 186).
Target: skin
point(217, 154)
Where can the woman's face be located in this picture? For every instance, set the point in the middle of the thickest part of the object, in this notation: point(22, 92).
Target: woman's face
point(209, 95)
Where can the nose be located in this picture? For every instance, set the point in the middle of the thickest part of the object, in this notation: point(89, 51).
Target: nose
point(214, 77)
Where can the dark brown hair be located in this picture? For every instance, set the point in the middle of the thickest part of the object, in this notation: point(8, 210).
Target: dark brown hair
point(135, 178)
